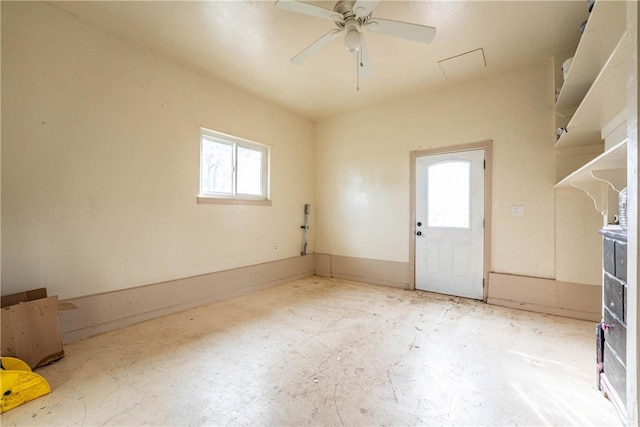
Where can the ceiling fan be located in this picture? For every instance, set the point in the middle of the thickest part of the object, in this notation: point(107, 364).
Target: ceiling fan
point(350, 16)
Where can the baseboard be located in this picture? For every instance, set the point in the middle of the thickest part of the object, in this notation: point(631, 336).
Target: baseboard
point(100, 313)
point(377, 272)
point(575, 300)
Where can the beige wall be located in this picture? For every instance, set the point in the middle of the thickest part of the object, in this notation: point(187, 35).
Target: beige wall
point(363, 171)
point(100, 144)
point(578, 243)
point(100, 168)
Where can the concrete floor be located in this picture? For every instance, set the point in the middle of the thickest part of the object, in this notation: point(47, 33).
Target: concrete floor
point(330, 352)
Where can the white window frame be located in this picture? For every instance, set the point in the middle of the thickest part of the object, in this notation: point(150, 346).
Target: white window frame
point(234, 197)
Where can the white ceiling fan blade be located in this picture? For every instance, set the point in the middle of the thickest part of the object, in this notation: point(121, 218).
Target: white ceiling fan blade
point(363, 8)
point(315, 46)
point(308, 9)
point(405, 30)
point(363, 61)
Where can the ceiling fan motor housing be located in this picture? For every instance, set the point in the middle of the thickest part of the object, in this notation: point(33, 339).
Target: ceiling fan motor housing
point(345, 8)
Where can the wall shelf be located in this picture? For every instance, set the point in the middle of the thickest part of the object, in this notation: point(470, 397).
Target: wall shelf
point(606, 25)
point(591, 107)
point(609, 169)
point(605, 99)
point(612, 159)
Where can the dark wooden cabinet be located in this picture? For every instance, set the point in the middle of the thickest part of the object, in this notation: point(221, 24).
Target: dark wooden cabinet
point(613, 348)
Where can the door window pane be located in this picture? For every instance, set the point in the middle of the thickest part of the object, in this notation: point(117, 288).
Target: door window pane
point(448, 194)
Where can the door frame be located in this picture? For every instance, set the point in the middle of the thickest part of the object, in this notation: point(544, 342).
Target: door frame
point(487, 146)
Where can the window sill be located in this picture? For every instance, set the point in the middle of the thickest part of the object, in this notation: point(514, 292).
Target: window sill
point(221, 201)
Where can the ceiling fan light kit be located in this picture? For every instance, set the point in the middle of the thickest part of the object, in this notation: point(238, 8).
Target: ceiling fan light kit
point(353, 38)
point(350, 16)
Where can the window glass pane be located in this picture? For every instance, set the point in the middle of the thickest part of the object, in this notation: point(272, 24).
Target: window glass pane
point(233, 168)
point(249, 171)
point(448, 194)
point(217, 167)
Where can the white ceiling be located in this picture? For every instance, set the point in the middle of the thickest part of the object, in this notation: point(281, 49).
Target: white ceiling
point(249, 44)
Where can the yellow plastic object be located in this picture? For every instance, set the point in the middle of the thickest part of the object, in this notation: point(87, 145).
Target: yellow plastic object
point(18, 384)
point(14, 364)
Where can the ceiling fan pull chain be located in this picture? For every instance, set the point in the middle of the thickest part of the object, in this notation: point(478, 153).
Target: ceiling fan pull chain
point(359, 55)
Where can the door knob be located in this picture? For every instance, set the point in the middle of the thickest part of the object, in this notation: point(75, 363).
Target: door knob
point(419, 224)
point(419, 233)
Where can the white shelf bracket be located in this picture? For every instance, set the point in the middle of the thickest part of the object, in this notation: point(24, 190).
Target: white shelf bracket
point(615, 178)
point(596, 191)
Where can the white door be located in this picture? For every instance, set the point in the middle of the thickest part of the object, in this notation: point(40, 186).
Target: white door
point(449, 225)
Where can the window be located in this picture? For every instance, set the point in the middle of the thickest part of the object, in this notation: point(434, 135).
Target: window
point(233, 168)
point(449, 194)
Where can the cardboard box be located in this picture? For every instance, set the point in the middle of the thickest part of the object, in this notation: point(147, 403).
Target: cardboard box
point(30, 327)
